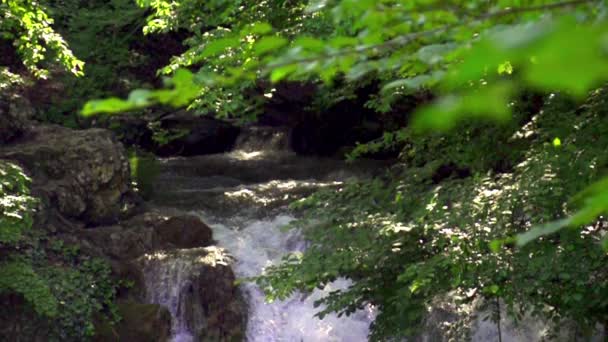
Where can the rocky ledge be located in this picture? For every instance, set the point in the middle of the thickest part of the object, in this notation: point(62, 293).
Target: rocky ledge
point(82, 179)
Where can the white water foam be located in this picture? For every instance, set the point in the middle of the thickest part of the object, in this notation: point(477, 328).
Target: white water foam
point(258, 244)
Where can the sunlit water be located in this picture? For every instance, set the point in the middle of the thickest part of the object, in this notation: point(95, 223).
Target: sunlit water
point(234, 193)
point(253, 245)
point(260, 243)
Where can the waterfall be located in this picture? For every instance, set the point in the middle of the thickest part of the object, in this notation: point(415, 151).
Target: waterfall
point(257, 244)
point(243, 195)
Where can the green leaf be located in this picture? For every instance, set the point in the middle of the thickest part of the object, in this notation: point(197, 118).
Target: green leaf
point(280, 73)
point(140, 97)
point(490, 102)
point(433, 54)
point(182, 78)
point(415, 83)
point(557, 59)
point(316, 5)
point(268, 44)
point(557, 142)
point(218, 46)
point(594, 203)
point(594, 207)
point(109, 105)
point(311, 44)
point(260, 28)
point(342, 41)
point(496, 245)
point(19, 277)
point(536, 232)
point(412, 83)
point(493, 289)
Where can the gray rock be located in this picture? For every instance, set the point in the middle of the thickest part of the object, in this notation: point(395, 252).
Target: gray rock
point(147, 233)
point(82, 174)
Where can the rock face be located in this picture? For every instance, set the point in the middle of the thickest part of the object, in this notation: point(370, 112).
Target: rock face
point(197, 135)
point(14, 113)
point(174, 134)
point(338, 127)
point(84, 175)
point(223, 308)
point(171, 262)
point(82, 178)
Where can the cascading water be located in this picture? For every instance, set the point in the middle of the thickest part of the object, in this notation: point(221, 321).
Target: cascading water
point(259, 243)
point(167, 277)
point(242, 195)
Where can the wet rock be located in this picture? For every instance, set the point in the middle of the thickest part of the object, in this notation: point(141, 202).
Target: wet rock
point(83, 175)
point(140, 323)
point(184, 232)
point(160, 255)
point(147, 233)
point(223, 308)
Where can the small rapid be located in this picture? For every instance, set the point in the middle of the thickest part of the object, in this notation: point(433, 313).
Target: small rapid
point(243, 196)
point(257, 244)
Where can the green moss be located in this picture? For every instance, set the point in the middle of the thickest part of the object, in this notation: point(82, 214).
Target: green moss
point(144, 170)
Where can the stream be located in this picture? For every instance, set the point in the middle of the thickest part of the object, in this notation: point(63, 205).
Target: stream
point(243, 196)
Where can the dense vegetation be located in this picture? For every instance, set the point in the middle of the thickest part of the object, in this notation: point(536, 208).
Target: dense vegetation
point(497, 190)
point(62, 289)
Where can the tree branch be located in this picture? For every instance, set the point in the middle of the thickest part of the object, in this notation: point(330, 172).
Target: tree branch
point(405, 39)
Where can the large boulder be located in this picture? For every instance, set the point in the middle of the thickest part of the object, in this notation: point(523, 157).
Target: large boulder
point(170, 261)
point(224, 310)
point(146, 233)
point(83, 175)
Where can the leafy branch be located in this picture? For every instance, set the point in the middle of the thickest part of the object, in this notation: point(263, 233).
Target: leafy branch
point(402, 40)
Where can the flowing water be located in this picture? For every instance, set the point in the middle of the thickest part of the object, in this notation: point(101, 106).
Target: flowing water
point(259, 243)
point(243, 195)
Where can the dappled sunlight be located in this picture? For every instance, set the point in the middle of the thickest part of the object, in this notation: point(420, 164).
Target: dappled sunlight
point(276, 191)
point(211, 256)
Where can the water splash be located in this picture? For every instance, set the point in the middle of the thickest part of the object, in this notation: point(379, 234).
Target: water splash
point(257, 244)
